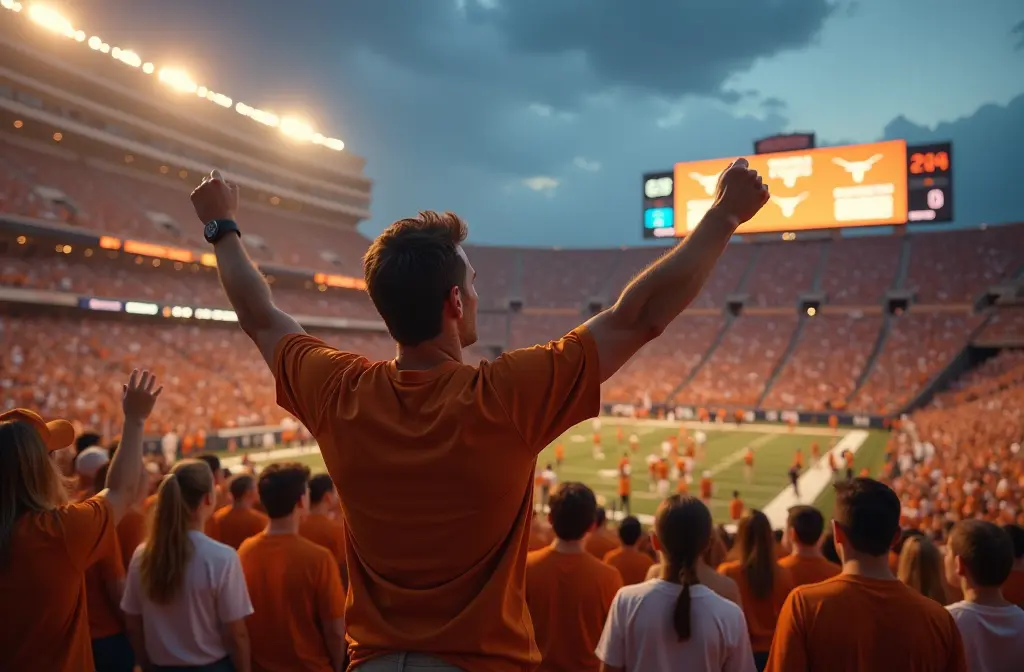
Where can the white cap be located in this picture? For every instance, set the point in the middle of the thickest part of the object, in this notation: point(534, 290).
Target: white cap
point(90, 460)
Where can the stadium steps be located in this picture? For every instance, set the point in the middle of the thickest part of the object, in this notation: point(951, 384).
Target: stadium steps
point(781, 364)
point(883, 336)
point(749, 269)
point(819, 272)
point(703, 359)
point(904, 266)
point(957, 367)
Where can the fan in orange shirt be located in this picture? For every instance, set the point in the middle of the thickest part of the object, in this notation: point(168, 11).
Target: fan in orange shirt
point(1013, 588)
point(223, 495)
point(736, 506)
point(419, 582)
point(234, 524)
point(298, 619)
point(865, 620)
point(569, 592)
point(631, 563)
point(806, 564)
point(321, 526)
point(763, 584)
point(706, 487)
point(601, 540)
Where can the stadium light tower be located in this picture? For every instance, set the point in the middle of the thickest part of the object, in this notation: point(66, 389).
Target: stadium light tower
point(51, 20)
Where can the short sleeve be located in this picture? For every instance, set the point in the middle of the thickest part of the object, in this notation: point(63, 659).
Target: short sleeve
point(89, 531)
point(958, 655)
point(611, 649)
point(547, 389)
point(329, 594)
point(307, 371)
point(789, 648)
point(739, 656)
point(131, 601)
point(233, 602)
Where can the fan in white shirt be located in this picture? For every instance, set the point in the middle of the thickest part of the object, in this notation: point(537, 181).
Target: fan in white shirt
point(979, 558)
point(675, 623)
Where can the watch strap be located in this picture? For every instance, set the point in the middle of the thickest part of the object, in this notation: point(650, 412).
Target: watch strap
point(218, 228)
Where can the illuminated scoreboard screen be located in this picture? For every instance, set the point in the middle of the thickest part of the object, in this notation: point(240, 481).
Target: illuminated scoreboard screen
point(825, 188)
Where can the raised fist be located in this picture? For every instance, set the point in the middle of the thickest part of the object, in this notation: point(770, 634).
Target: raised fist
point(215, 198)
point(740, 192)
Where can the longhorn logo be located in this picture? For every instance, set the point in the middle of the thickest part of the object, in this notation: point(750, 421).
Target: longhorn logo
point(788, 203)
point(857, 169)
point(709, 182)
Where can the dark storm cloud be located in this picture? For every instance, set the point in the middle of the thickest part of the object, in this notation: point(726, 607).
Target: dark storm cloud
point(986, 145)
point(1018, 32)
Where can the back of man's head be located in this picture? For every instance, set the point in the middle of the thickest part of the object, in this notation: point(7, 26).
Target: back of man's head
point(985, 551)
point(320, 486)
point(807, 524)
point(630, 531)
point(1016, 533)
point(213, 462)
point(867, 512)
point(601, 517)
point(240, 486)
point(410, 270)
point(282, 487)
point(573, 510)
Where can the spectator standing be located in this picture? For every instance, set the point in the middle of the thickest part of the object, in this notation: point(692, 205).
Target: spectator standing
point(805, 562)
point(234, 524)
point(185, 601)
point(298, 619)
point(437, 551)
point(322, 525)
point(631, 563)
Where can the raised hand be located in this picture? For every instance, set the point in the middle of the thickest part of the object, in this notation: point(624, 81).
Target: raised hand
point(215, 198)
point(139, 396)
point(740, 192)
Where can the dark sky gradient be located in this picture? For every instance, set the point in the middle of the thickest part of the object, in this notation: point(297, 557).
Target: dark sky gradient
point(535, 118)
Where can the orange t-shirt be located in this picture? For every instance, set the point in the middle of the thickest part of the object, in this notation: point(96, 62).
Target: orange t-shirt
point(50, 552)
point(233, 525)
point(736, 509)
point(601, 542)
point(328, 533)
point(631, 563)
point(705, 488)
point(761, 613)
point(105, 619)
point(131, 532)
point(1013, 588)
point(569, 595)
point(855, 624)
point(295, 588)
point(436, 551)
point(805, 570)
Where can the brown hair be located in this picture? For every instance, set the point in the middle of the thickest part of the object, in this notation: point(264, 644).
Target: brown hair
point(281, 488)
point(985, 549)
point(684, 528)
point(29, 479)
point(756, 545)
point(920, 567)
point(410, 270)
point(868, 512)
point(573, 510)
point(168, 548)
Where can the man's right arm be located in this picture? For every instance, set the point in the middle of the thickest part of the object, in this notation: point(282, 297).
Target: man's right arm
point(660, 293)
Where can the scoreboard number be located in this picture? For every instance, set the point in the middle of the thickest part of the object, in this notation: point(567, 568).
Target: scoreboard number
point(658, 187)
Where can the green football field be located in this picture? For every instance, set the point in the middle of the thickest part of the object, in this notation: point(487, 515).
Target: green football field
point(774, 449)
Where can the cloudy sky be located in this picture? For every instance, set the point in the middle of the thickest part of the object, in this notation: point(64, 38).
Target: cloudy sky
point(535, 119)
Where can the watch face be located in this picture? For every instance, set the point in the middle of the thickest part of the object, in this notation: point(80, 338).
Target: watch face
point(211, 230)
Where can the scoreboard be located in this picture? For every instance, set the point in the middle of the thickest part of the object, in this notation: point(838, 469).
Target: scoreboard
point(871, 184)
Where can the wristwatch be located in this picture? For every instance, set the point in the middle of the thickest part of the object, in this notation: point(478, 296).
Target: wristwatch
point(217, 228)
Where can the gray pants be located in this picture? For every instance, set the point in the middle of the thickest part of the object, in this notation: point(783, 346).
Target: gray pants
point(406, 662)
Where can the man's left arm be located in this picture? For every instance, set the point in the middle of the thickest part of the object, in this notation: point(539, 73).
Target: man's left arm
point(216, 199)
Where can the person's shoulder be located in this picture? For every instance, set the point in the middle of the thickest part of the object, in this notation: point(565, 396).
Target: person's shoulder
point(599, 567)
point(788, 561)
point(613, 554)
point(213, 550)
point(824, 591)
point(729, 567)
point(538, 557)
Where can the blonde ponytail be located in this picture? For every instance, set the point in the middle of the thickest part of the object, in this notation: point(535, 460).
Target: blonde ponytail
point(168, 548)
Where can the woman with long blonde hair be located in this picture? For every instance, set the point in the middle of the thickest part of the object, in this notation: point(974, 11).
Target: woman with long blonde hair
point(920, 567)
point(764, 585)
point(46, 543)
point(186, 599)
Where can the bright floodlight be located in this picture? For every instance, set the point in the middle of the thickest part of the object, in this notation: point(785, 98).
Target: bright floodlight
point(334, 143)
point(296, 128)
point(51, 20)
point(177, 80)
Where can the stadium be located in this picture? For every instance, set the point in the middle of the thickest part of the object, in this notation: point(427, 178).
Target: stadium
point(813, 339)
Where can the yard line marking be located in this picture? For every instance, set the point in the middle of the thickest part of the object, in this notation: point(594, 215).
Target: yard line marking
point(813, 481)
point(735, 457)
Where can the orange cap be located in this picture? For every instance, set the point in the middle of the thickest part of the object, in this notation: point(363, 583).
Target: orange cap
point(56, 434)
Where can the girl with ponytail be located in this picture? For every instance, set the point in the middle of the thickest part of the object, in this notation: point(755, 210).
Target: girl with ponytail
point(186, 599)
point(675, 622)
